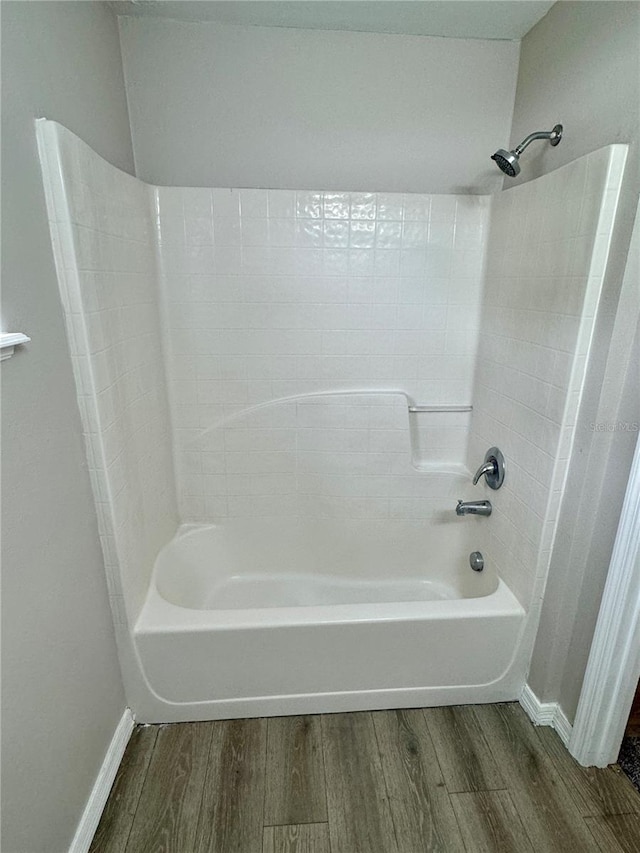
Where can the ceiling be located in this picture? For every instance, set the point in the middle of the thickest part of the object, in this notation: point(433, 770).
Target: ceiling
point(483, 19)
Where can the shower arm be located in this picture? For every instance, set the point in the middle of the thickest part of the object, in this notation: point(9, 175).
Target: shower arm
point(552, 135)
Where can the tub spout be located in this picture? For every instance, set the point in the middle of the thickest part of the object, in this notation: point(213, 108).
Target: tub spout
point(474, 508)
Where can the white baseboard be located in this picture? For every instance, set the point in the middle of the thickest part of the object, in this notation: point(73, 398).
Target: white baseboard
point(545, 714)
point(562, 725)
point(102, 786)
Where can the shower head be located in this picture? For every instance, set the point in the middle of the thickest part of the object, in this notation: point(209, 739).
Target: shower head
point(509, 161)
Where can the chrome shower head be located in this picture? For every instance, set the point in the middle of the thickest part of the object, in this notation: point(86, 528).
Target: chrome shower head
point(509, 161)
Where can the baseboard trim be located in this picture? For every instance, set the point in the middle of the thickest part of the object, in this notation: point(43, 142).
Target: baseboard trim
point(102, 786)
point(545, 714)
point(562, 725)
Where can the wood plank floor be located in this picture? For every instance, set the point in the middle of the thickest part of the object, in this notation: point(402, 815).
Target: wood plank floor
point(479, 779)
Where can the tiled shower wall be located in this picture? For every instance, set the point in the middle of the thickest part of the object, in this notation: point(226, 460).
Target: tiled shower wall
point(298, 328)
point(546, 257)
point(274, 295)
point(103, 241)
point(346, 456)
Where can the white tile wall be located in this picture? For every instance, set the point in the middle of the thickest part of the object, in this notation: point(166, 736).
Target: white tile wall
point(273, 294)
point(101, 228)
point(547, 250)
point(333, 455)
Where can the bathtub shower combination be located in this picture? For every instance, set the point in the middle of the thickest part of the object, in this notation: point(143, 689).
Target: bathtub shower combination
point(284, 396)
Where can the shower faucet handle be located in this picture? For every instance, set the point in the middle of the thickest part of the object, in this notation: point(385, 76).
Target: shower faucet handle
point(486, 468)
point(492, 469)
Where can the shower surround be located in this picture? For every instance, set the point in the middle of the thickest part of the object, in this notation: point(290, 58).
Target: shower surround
point(278, 527)
point(276, 303)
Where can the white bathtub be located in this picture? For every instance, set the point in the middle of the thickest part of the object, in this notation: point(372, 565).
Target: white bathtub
point(274, 616)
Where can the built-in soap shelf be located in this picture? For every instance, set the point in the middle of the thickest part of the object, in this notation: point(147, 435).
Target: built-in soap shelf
point(9, 341)
point(438, 435)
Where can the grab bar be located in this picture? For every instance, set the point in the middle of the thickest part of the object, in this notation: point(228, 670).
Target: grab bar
point(419, 409)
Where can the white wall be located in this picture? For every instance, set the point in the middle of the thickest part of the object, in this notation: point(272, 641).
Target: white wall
point(227, 106)
point(62, 692)
point(580, 65)
point(275, 294)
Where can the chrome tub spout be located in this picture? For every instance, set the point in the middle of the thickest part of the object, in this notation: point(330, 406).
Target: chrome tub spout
point(474, 508)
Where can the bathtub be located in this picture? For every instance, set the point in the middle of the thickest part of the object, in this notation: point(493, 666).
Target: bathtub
point(275, 616)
